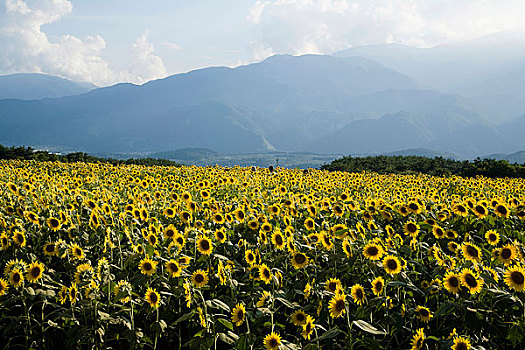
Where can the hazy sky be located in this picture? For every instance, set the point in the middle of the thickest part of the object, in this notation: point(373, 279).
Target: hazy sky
point(108, 41)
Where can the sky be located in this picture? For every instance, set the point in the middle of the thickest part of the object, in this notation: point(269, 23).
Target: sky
point(111, 41)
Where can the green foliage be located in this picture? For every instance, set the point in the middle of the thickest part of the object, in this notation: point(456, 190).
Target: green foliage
point(28, 153)
point(437, 166)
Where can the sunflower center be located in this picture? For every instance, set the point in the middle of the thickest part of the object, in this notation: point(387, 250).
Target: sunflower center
point(332, 286)
point(35, 272)
point(461, 346)
point(359, 294)
point(300, 317)
point(517, 277)
point(170, 233)
point(266, 274)
point(205, 245)
point(278, 240)
point(379, 285)
point(273, 342)
point(78, 252)
point(54, 222)
point(392, 264)
point(453, 282)
point(506, 253)
point(413, 206)
point(147, 266)
point(16, 277)
point(493, 237)
point(153, 298)
point(173, 267)
point(240, 314)
point(340, 305)
point(199, 278)
point(411, 228)
point(501, 209)
point(471, 281)
point(373, 251)
point(424, 313)
point(480, 209)
point(250, 257)
point(300, 258)
point(50, 248)
point(472, 251)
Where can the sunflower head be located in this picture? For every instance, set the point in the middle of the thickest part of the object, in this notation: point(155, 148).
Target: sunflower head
point(238, 314)
point(152, 297)
point(200, 278)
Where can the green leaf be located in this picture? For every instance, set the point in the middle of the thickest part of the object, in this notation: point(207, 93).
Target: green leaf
point(184, 317)
point(218, 304)
point(367, 327)
point(329, 334)
point(226, 323)
point(229, 338)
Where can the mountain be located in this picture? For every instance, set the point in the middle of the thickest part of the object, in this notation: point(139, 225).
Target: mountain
point(34, 86)
point(273, 104)
point(489, 70)
point(516, 157)
point(314, 103)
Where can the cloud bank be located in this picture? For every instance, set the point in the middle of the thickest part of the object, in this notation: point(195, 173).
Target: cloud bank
point(325, 26)
point(26, 48)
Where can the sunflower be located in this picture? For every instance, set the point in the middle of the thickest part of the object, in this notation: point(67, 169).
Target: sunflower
point(53, 224)
point(515, 278)
point(347, 247)
point(377, 285)
point(299, 260)
point(471, 252)
point(460, 209)
point(50, 249)
point(451, 234)
point(265, 273)
point(298, 318)
point(452, 282)
point(278, 240)
point(148, 266)
point(492, 237)
point(4, 286)
point(418, 339)
point(238, 314)
point(309, 223)
point(414, 207)
point(63, 295)
point(4, 240)
point(308, 327)
point(337, 305)
point(170, 232)
point(220, 235)
point(333, 285)
point(438, 232)
point(73, 293)
point(239, 214)
point(471, 281)
point(204, 245)
point(392, 265)
point(253, 224)
point(76, 251)
point(32, 217)
point(266, 227)
point(272, 341)
point(262, 299)
point(152, 297)
point(200, 278)
point(502, 210)
point(411, 228)
point(218, 218)
point(16, 278)
point(480, 210)
point(461, 343)
point(373, 251)
point(19, 238)
point(423, 313)
point(507, 254)
point(358, 294)
point(173, 268)
point(34, 271)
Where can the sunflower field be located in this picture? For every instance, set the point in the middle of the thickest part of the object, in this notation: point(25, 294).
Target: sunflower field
point(102, 256)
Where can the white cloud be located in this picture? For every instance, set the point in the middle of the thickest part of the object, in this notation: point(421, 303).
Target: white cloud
point(172, 46)
point(26, 48)
point(325, 26)
point(146, 65)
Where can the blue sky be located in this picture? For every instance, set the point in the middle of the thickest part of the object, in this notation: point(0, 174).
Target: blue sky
point(116, 40)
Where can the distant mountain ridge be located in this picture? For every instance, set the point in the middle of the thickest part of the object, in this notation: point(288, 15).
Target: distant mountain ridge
point(35, 86)
point(311, 103)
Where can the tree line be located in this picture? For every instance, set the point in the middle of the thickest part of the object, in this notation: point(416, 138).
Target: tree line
point(29, 153)
point(437, 166)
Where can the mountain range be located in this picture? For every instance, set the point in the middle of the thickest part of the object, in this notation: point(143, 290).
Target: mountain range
point(365, 100)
